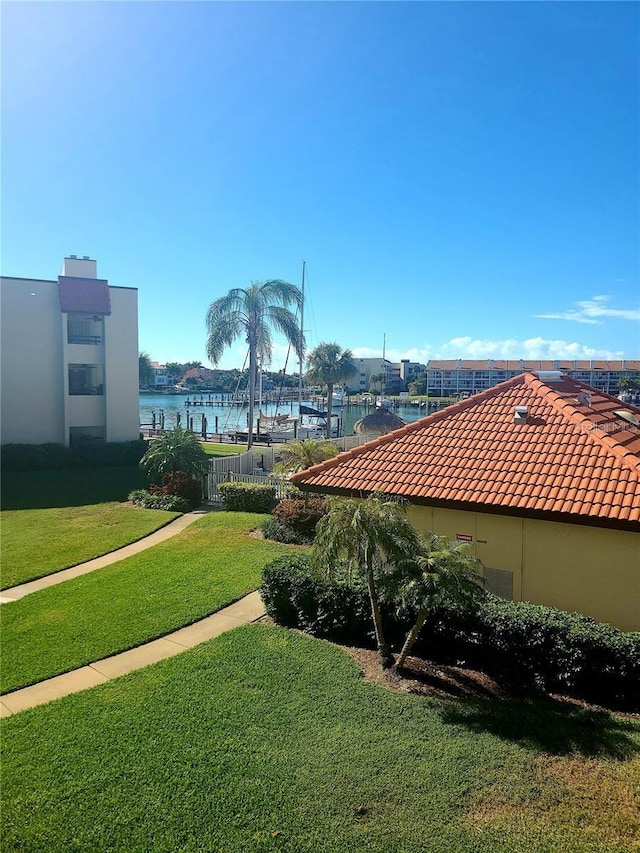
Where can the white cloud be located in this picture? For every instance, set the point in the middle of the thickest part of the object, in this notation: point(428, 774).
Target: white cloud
point(506, 348)
point(591, 311)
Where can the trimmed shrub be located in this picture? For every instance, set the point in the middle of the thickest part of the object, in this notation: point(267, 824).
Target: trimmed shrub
point(172, 503)
point(181, 485)
point(528, 646)
point(247, 497)
point(301, 515)
point(276, 532)
point(91, 454)
point(295, 596)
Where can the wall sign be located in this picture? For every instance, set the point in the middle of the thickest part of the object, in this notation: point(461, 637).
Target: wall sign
point(464, 537)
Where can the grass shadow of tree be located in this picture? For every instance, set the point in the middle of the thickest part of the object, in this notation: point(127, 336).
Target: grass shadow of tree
point(549, 726)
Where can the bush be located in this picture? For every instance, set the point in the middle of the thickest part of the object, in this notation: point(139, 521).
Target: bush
point(272, 529)
point(247, 497)
point(171, 503)
point(529, 646)
point(295, 596)
point(181, 485)
point(301, 515)
point(94, 454)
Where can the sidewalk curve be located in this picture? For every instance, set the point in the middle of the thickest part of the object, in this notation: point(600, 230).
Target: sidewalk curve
point(174, 527)
point(242, 612)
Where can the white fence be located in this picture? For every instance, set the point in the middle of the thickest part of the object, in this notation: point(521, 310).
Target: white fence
point(254, 466)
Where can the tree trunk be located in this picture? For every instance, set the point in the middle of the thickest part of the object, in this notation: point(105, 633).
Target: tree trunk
point(329, 408)
point(383, 648)
point(412, 636)
point(252, 390)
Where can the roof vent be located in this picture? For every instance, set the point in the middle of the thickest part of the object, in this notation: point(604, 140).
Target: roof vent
point(628, 416)
point(520, 415)
point(584, 399)
point(549, 375)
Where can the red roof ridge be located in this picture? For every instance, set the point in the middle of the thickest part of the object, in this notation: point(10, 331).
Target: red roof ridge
point(570, 411)
point(434, 417)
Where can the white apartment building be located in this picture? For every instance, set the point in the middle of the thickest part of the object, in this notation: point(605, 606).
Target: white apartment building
point(160, 375)
point(457, 376)
point(360, 382)
point(68, 358)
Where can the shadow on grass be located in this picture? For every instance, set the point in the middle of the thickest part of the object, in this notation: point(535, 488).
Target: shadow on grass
point(69, 486)
point(548, 726)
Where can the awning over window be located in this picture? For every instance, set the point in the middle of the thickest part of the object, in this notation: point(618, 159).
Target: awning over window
point(90, 295)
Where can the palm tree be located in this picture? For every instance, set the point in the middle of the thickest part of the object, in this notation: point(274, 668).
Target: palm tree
point(298, 455)
point(250, 313)
point(442, 571)
point(145, 371)
point(176, 450)
point(371, 537)
point(329, 364)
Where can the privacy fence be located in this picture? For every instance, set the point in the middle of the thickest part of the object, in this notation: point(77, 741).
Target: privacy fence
point(255, 466)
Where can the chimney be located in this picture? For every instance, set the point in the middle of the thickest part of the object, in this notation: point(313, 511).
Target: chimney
point(75, 267)
point(520, 415)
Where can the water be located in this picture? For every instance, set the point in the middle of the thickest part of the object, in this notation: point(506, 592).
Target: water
point(231, 418)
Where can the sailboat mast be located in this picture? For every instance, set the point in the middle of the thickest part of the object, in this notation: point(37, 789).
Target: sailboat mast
point(384, 367)
point(301, 333)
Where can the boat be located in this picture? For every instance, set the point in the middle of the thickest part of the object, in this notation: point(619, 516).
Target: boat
point(338, 398)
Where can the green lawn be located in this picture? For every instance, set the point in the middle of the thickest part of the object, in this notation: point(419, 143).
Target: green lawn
point(69, 486)
point(266, 740)
point(214, 449)
point(212, 563)
point(36, 542)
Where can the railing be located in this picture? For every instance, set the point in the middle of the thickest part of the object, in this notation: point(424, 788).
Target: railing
point(92, 340)
point(213, 480)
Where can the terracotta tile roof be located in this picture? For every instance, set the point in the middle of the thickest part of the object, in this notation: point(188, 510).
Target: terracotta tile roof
point(569, 459)
point(84, 295)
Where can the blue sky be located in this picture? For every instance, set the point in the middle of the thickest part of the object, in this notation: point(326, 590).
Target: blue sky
point(462, 177)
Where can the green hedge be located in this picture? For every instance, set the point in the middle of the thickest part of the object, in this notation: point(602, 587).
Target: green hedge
point(149, 500)
point(276, 532)
point(39, 457)
point(525, 645)
point(247, 497)
point(295, 597)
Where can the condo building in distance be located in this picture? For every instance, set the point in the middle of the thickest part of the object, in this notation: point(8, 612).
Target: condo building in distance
point(68, 358)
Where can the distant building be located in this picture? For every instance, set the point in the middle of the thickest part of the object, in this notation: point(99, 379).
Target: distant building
point(456, 376)
point(160, 375)
point(69, 358)
point(360, 382)
point(540, 475)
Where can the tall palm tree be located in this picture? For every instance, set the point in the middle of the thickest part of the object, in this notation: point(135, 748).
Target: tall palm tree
point(371, 537)
point(329, 364)
point(251, 312)
point(442, 571)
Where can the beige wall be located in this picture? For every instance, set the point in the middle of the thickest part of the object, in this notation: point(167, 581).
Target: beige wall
point(121, 366)
point(32, 378)
point(593, 570)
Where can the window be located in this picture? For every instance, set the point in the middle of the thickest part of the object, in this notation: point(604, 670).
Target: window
point(85, 329)
point(499, 582)
point(86, 379)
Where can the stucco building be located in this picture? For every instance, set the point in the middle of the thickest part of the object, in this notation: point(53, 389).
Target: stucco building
point(540, 475)
point(69, 358)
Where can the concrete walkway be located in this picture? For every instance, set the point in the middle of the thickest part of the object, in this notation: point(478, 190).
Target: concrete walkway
point(172, 529)
point(247, 610)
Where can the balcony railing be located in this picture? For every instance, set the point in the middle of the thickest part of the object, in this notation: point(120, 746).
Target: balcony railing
point(92, 340)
